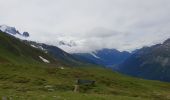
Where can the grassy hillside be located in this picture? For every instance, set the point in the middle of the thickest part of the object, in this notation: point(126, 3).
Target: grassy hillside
point(49, 83)
point(24, 76)
point(15, 51)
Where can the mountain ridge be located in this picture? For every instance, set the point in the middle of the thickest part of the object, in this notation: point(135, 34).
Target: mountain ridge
point(13, 31)
point(149, 62)
point(104, 57)
point(58, 53)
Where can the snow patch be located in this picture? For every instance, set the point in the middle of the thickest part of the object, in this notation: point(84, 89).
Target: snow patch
point(44, 60)
point(33, 46)
point(94, 55)
point(19, 36)
point(39, 47)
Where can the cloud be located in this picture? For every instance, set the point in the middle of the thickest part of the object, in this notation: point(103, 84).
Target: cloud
point(92, 24)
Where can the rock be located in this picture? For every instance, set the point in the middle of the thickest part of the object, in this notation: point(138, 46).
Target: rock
point(25, 34)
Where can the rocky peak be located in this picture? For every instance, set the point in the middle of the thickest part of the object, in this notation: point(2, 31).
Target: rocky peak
point(13, 31)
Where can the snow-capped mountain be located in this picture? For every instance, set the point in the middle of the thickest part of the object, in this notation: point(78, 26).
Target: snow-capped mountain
point(13, 31)
point(24, 36)
point(70, 43)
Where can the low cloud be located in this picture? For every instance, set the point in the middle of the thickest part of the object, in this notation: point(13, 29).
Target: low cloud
point(91, 24)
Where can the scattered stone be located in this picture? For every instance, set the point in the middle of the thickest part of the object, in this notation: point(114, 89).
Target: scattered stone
point(51, 90)
point(61, 67)
point(48, 86)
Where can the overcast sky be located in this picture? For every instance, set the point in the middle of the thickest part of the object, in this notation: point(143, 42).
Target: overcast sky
point(92, 24)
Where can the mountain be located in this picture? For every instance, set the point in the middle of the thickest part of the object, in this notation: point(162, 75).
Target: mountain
point(13, 31)
point(149, 62)
point(13, 50)
point(70, 43)
point(57, 53)
point(104, 57)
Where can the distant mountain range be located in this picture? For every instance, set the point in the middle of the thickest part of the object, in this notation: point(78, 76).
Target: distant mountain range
point(149, 62)
point(104, 57)
point(14, 32)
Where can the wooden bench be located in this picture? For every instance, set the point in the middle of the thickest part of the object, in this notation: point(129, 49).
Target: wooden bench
point(83, 82)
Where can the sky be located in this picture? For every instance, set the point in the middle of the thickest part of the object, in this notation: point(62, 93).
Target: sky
point(90, 24)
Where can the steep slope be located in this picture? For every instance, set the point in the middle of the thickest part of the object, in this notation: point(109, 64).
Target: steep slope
point(149, 62)
point(15, 50)
point(104, 57)
point(58, 53)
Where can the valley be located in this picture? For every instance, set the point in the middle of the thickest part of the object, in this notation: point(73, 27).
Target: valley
point(28, 73)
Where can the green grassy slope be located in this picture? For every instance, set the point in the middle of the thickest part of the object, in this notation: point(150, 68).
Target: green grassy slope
point(15, 51)
point(49, 83)
point(23, 76)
